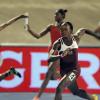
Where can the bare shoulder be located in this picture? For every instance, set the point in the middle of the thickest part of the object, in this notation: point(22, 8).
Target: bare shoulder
point(49, 27)
point(57, 44)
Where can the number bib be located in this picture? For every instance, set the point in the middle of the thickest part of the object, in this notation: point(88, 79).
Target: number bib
point(72, 76)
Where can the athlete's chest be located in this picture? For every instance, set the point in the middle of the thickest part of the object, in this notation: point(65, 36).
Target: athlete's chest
point(72, 45)
point(54, 33)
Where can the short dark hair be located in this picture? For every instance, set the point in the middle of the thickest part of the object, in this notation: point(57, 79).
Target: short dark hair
point(62, 11)
point(70, 25)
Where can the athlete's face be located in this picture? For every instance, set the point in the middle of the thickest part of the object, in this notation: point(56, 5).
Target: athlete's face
point(65, 31)
point(58, 17)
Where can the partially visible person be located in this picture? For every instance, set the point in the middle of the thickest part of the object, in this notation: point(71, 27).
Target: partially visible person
point(55, 34)
point(97, 31)
point(9, 72)
point(54, 31)
point(3, 26)
point(67, 48)
point(12, 20)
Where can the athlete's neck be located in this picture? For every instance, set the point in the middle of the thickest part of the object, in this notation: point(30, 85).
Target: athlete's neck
point(67, 40)
point(59, 23)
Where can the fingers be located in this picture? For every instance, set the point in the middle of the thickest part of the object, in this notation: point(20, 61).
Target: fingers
point(26, 27)
point(25, 15)
point(27, 18)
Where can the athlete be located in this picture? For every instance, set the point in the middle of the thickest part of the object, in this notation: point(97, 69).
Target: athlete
point(49, 73)
point(67, 48)
point(3, 26)
point(55, 33)
point(11, 71)
point(53, 29)
point(96, 32)
point(12, 20)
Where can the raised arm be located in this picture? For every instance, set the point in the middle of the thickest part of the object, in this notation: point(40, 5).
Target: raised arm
point(95, 33)
point(9, 22)
point(79, 34)
point(38, 35)
point(83, 31)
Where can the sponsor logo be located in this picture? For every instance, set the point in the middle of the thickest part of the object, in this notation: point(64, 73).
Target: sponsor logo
point(31, 62)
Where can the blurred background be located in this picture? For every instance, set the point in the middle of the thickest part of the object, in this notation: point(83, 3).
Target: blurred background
point(82, 13)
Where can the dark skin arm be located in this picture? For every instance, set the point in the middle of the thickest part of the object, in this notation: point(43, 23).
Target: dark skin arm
point(83, 31)
point(95, 34)
point(79, 34)
point(9, 22)
point(39, 35)
point(52, 56)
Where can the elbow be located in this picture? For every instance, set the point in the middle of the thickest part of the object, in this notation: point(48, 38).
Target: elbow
point(38, 37)
point(50, 60)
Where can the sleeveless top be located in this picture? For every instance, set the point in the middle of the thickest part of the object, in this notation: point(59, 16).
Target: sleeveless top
point(65, 47)
point(54, 33)
point(72, 56)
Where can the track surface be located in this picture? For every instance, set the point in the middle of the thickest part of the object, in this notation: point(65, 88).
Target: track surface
point(29, 96)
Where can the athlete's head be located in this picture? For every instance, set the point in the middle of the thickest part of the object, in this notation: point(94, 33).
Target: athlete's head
point(66, 29)
point(60, 14)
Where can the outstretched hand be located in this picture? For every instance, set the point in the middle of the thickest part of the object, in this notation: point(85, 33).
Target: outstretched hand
point(25, 15)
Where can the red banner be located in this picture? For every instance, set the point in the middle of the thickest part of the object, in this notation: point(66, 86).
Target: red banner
point(31, 62)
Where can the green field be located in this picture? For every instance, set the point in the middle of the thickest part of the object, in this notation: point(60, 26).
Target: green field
point(82, 13)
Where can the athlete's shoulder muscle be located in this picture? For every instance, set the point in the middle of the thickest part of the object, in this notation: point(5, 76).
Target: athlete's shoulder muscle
point(57, 44)
point(45, 30)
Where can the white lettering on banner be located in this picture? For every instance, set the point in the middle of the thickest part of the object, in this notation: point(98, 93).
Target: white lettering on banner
point(87, 73)
point(15, 81)
point(37, 69)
